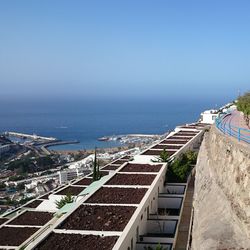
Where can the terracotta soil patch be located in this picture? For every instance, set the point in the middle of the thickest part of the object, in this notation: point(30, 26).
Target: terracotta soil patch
point(72, 190)
point(157, 152)
point(3, 220)
point(181, 137)
point(15, 236)
point(34, 204)
point(32, 218)
point(180, 142)
point(103, 173)
point(160, 146)
point(131, 179)
point(108, 195)
point(188, 133)
point(98, 218)
point(46, 196)
point(111, 167)
point(132, 167)
point(63, 241)
point(126, 157)
point(84, 181)
point(120, 162)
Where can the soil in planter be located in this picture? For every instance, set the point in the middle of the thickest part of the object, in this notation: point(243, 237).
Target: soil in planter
point(15, 236)
point(131, 179)
point(118, 195)
point(110, 167)
point(34, 204)
point(32, 218)
point(166, 147)
point(71, 190)
point(77, 242)
point(157, 152)
point(84, 181)
point(3, 220)
point(131, 167)
point(98, 218)
point(102, 173)
point(182, 142)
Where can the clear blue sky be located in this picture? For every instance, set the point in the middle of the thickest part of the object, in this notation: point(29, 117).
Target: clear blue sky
point(124, 48)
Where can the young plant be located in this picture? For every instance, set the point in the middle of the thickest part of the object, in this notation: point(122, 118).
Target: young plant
point(65, 200)
point(164, 157)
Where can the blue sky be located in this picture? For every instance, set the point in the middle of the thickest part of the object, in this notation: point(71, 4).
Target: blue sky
point(126, 48)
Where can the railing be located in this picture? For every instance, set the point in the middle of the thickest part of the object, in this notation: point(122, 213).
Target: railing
point(241, 134)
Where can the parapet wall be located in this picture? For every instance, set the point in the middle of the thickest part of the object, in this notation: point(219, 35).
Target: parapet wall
point(222, 194)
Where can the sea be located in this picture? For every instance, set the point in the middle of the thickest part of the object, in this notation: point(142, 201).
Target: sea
point(88, 120)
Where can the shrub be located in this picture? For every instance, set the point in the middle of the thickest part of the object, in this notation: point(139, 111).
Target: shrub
point(65, 200)
point(243, 105)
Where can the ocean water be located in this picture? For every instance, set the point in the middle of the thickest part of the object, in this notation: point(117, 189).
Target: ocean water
point(87, 120)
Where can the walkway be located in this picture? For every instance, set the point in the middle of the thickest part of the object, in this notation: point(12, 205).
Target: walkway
point(234, 125)
point(183, 231)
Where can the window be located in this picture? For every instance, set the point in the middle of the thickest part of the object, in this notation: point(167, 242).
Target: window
point(132, 244)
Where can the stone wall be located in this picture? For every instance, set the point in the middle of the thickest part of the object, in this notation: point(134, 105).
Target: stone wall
point(222, 194)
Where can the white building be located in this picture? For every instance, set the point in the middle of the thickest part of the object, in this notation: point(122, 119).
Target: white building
point(209, 116)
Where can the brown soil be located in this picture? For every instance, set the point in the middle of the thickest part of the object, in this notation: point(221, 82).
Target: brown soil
point(110, 167)
point(156, 152)
point(126, 157)
point(103, 173)
point(181, 138)
point(120, 162)
point(2, 220)
point(46, 196)
point(132, 179)
point(160, 146)
point(34, 204)
point(15, 236)
point(118, 195)
point(72, 190)
point(130, 167)
point(98, 218)
point(84, 181)
point(77, 242)
point(174, 142)
point(32, 218)
point(187, 133)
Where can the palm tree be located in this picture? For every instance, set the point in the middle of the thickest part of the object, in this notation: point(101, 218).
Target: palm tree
point(96, 171)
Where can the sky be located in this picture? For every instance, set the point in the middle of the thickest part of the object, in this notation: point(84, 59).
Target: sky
point(124, 49)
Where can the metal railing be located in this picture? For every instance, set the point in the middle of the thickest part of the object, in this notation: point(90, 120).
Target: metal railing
point(241, 134)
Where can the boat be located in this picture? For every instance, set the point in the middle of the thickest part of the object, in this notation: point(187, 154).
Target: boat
point(103, 139)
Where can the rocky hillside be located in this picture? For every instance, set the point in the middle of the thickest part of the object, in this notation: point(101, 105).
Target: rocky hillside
point(222, 194)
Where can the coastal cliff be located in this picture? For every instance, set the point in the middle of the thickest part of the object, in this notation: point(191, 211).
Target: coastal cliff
point(222, 194)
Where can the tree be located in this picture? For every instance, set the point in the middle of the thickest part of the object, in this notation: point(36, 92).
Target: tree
point(243, 105)
point(164, 156)
point(65, 200)
point(96, 171)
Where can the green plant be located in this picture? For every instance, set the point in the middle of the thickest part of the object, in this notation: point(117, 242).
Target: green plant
point(164, 157)
point(158, 247)
point(96, 169)
point(65, 200)
point(243, 105)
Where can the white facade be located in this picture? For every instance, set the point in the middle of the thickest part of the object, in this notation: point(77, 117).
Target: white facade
point(209, 116)
point(67, 175)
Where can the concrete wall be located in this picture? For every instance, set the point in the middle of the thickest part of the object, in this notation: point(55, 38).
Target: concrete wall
point(222, 194)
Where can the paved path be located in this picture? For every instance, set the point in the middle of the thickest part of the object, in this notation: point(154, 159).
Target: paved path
point(182, 237)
